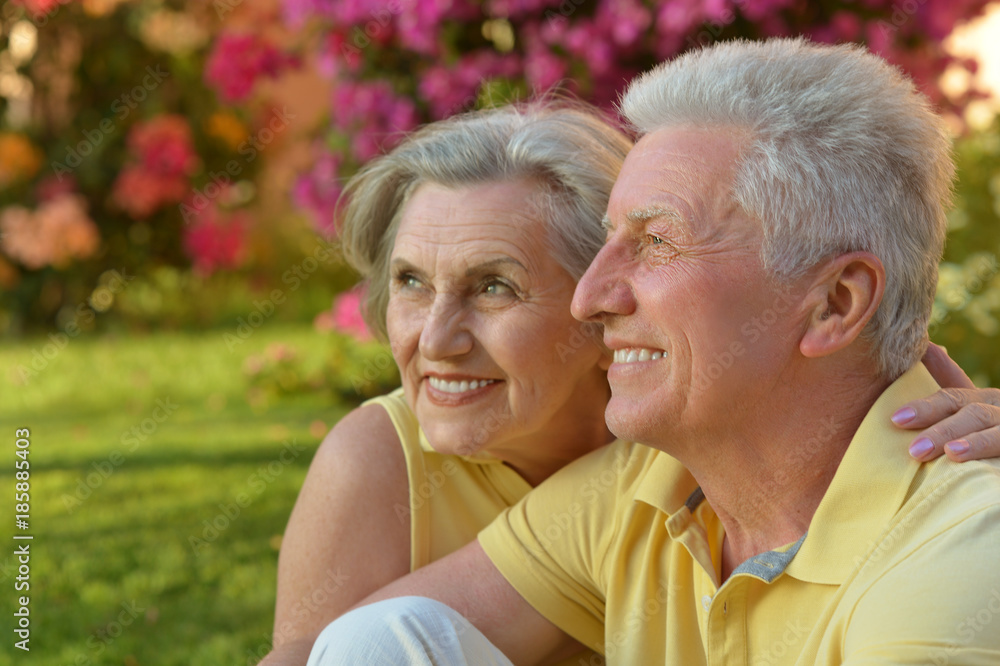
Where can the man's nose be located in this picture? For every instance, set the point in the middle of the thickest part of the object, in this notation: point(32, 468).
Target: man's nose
point(604, 290)
point(444, 334)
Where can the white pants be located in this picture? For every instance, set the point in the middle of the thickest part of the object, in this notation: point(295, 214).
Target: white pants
point(401, 631)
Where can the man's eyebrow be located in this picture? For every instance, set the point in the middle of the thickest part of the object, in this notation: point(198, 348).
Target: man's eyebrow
point(639, 216)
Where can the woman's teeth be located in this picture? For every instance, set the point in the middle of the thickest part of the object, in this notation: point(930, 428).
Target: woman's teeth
point(446, 386)
point(635, 355)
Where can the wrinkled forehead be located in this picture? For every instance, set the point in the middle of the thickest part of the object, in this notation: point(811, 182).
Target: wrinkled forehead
point(681, 175)
point(473, 223)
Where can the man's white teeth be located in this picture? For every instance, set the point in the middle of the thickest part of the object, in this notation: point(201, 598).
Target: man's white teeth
point(634, 355)
point(458, 387)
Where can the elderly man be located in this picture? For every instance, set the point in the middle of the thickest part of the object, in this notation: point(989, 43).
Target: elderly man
point(766, 286)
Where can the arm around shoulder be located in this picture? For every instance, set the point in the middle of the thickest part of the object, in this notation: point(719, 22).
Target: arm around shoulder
point(344, 538)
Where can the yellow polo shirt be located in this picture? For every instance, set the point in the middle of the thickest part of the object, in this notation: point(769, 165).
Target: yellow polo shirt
point(900, 565)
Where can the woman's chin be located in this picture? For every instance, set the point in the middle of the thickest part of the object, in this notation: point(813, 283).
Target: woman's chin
point(470, 446)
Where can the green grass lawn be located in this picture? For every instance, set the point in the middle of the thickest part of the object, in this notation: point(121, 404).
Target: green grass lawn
point(139, 556)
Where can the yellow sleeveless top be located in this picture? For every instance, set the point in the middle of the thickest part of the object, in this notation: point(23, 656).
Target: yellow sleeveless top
point(452, 497)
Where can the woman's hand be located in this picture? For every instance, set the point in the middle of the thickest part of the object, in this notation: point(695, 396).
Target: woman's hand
point(959, 420)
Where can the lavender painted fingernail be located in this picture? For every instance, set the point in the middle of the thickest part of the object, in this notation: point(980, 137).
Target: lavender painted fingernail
point(921, 447)
point(903, 416)
point(958, 447)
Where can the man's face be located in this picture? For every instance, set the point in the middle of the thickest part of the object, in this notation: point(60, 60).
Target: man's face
point(681, 292)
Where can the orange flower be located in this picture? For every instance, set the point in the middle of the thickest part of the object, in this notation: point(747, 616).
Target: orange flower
point(19, 159)
point(227, 127)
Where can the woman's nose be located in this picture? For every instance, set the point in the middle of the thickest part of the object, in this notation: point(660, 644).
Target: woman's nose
point(444, 334)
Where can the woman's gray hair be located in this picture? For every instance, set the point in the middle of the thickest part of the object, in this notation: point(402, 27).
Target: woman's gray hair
point(843, 154)
point(568, 148)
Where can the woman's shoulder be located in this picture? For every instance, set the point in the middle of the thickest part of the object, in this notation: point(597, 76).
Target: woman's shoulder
point(366, 434)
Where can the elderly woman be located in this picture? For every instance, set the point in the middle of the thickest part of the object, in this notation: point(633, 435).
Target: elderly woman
point(472, 235)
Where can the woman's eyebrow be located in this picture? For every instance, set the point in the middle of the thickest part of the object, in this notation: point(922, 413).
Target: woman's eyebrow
point(493, 264)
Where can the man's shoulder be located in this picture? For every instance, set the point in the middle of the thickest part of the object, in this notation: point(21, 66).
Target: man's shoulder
point(945, 493)
point(933, 575)
point(951, 518)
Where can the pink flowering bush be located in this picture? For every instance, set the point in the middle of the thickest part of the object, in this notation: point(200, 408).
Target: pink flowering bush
point(163, 159)
point(54, 234)
point(214, 237)
point(398, 63)
point(238, 60)
point(345, 316)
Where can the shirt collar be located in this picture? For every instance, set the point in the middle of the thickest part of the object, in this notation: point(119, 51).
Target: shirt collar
point(869, 487)
point(667, 485)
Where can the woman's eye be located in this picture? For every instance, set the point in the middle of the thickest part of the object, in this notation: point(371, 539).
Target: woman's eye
point(408, 280)
point(498, 288)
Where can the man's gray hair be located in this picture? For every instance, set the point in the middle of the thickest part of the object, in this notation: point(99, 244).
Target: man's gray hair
point(567, 148)
point(843, 154)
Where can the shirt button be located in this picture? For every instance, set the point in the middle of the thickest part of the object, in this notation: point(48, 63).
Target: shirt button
point(706, 602)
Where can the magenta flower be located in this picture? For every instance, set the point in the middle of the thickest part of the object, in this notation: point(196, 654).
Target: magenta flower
point(238, 60)
point(316, 192)
point(215, 239)
point(373, 115)
point(164, 146)
point(345, 315)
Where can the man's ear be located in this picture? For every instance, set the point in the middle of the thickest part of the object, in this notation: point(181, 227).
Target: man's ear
point(845, 295)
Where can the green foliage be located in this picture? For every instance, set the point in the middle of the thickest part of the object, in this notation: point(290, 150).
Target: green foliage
point(966, 316)
point(352, 371)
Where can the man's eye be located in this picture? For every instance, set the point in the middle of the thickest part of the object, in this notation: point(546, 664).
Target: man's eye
point(655, 240)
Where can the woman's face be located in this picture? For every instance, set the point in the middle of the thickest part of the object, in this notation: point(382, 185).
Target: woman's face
point(480, 326)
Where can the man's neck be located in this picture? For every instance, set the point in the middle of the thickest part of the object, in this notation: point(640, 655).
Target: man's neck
point(777, 469)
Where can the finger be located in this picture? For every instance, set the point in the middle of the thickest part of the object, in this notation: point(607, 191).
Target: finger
point(976, 422)
point(944, 370)
point(928, 411)
point(977, 446)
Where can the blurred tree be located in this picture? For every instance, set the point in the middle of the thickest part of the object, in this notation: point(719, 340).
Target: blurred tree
point(114, 154)
point(966, 316)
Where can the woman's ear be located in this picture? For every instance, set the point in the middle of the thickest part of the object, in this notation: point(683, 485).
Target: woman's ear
point(846, 294)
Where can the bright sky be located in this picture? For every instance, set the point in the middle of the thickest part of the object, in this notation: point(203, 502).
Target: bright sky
point(980, 38)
